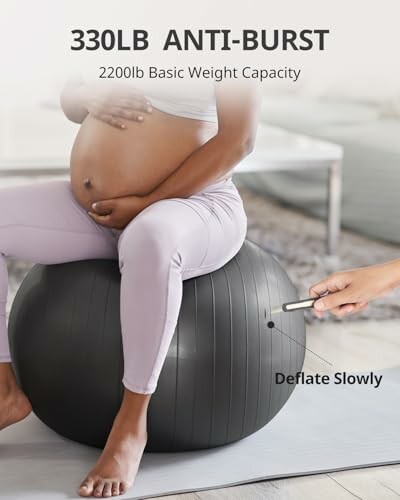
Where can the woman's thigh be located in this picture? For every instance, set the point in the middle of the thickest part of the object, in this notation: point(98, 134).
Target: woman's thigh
point(201, 232)
point(42, 222)
point(226, 227)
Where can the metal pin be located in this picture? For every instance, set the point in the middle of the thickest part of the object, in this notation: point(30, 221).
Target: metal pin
point(294, 306)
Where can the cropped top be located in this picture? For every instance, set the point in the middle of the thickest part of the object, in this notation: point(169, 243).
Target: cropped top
point(190, 99)
point(197, 103)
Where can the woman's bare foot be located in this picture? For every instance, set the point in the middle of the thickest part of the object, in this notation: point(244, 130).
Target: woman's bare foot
point(116, 469)
point(14, 405)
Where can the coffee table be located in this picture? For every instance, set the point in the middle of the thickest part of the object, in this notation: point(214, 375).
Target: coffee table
point(37, 141)
point(277, 149)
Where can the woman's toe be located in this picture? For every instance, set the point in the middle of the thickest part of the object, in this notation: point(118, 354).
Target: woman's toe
point(115, 489)
point(123, 487)
point(98, 488)
point(86, 487)
point(107, 489)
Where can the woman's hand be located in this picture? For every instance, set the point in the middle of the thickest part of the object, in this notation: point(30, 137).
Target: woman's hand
point(111, 104)
point(116, 213)
point(116, 105)
point(349, 292)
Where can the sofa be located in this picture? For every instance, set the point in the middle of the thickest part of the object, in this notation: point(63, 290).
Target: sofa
point(370, 135)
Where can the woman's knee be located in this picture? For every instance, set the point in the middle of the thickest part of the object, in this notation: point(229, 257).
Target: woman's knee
point(149, 240)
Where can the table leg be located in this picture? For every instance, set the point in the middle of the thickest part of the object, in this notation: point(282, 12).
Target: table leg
point(334, 206)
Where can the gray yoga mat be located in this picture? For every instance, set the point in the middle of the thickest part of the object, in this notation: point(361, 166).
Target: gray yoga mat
point(322, 428)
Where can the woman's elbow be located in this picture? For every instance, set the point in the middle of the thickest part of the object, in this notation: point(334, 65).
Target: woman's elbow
point(245, 145)
point(239, 145)
point(250, 143)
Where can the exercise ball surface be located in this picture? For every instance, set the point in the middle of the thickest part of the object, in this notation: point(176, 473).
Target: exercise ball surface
point(217, 384)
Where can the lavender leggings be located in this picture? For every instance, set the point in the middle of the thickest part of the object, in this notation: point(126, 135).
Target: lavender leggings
point(168, 242)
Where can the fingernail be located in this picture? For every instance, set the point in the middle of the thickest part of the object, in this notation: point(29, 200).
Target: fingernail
point(94, 206)
point(123, 125)
point(149, 109)
point(140, 118)
point(319, 305)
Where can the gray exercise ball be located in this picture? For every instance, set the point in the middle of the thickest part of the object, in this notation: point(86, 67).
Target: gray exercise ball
point(217, 384)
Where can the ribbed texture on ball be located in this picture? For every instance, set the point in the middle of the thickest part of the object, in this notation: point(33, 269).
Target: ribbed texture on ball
point(217, 384)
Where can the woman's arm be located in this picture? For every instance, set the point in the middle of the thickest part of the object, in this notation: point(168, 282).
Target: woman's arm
point(349, 292)
point(238, 113)
point(238, 110)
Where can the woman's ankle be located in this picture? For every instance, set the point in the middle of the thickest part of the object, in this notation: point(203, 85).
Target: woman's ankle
point(133, 412)
point(7, 377)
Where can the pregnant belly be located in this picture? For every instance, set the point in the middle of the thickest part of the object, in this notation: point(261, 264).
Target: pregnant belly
point(107, 162)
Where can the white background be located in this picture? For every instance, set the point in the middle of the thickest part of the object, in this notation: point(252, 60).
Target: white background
point(361, 59)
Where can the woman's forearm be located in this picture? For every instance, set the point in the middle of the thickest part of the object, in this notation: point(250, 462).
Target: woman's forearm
point(237, 113)
point(238, 109)
point(395, 268)
point(207, 164)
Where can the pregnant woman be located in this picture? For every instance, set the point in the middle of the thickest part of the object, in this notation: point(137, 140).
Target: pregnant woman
point(150, 186)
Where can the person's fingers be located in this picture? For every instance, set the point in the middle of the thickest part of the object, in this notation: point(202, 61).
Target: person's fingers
point(110, 119)
point(114, 122)
point(128, 114)
point(333, 283)
point(333, 300)
point(103, 207)
point(127, 97)
point(104, 220)
point(343, 310)
point(317, 290)
point(111, 109)
point(99, 111)
point(348, 309)
point(318, 314)
point(361, 306)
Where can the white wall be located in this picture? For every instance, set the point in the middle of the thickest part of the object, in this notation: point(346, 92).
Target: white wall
point(361, 59)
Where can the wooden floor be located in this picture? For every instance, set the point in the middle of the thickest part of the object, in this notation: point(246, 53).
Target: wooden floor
point(357, 346)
